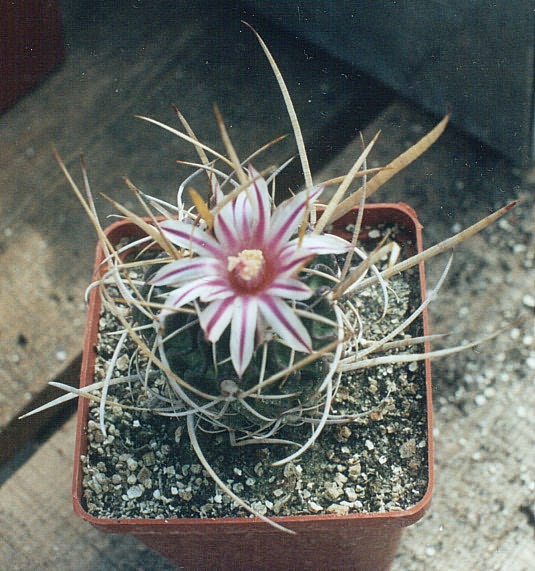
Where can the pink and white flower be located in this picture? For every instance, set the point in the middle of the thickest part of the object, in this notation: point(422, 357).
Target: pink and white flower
point(245, 268)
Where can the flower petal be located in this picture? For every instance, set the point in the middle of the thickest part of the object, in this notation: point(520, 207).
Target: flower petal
point(184, 294)
point(191, 237)
point(243, 215)
point(219, 289)
point(291, 259)
point(242, 332)
point(217, 193)
point(225, 229)
point(185, 269)
point(216, 317)
point(261, 206)
point(285, 323)
point(289, 288)
point(324, 244)
point(202, 287)
point(289, 215)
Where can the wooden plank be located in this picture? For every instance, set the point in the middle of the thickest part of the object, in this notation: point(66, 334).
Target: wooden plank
point(121, 61)
point(40, 530)
point(484, 486)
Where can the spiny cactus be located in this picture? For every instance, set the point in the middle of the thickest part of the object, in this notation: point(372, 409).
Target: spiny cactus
point(209, 368)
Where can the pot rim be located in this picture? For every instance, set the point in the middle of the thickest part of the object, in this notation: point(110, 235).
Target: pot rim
point(398, 212)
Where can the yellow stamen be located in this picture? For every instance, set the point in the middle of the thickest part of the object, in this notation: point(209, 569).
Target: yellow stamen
point(248, 264)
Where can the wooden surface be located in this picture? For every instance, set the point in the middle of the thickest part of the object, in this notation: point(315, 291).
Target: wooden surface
point(194, 55)
point(39, 530)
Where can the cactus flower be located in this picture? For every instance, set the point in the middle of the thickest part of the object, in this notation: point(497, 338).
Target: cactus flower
point(245, 268)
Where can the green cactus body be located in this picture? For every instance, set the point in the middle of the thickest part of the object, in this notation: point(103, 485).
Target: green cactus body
point(195, 360)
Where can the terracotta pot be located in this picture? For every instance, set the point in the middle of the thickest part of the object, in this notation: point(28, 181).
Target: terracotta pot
point(363, 541)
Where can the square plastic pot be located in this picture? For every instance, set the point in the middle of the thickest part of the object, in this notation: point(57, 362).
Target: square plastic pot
point(356, 542)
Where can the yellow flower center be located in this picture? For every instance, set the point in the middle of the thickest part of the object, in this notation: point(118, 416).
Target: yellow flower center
point(248, 264)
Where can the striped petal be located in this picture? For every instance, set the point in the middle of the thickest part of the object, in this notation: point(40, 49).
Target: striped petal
point(261, 206)
point(191, 237)
point(323, 244)
point(280, 316)
point(289, 288)
point(219, 289)
point(217, 193)
point(289, 215)
point(243, 215)
point(225, 229)
point(185, 269)
point(202, 288)
point(242, 332)
point(291, 260)
point(216, 317)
